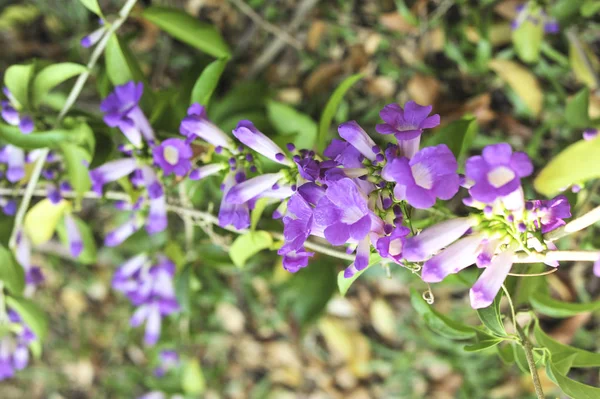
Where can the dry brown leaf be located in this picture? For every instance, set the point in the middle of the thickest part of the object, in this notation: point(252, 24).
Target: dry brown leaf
point(508, 8)
point(513, 127)
point(322, 78)
point(396, 22)
point(594, 108)
point(372, 43)
point(381, 86)
point(500, 34)
point(423, 89)
point(231, 318)
point(433, 41)
point(315, 34)
point(523, 82)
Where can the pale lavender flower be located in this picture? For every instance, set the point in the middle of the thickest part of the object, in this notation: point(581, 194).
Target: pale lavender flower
point(392, 245)
point(251, 188)
point(14, 352)
point(157, 216)
point(430, 174)
point(123, 232)
point(249, 135)
point(344, 154)
point(12, 116)
point(121, 110)
point(207, 170)
point(488, 285)
point(497, 172)
point(297, 226)
point(551, 213)
point(14, 158)
point(173, 156)
point(73, 236)
point(94, 37)
point(454, 258)
point(590, 134)
point(196, 125)
point(597, 268)
point(358, 138)
point(168, 359)
point(237, 215)
point(111, 171)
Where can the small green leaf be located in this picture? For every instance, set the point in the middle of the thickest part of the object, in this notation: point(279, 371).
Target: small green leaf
point(11, 273)
point(483, 345)
point(582, 357)
point(51, 76)
point(288, 122)
point(76, 159)
point(438, 322)
point(41, 220)
point(188, 29)
point(182, 288)
point(121, 66)
point(520, 358)
point(589, 8)
point(32, 315)
point(492, 318)
point(527, 40)
point(458, 136)
point(332, 106)
point(577, 163)
point(248, 245)
point(570, 387)
point(92, 5)
point(345, 283)
point(17, 79)
point(192, 378)
point(259, 208)
point(576, 113)
point(47, 139)
point(89, 254)
point(207, 82)
point(547, 305)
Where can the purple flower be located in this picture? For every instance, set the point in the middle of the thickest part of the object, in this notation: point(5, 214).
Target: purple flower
point(196, 125)
point(157, 217)
point(110, 172)
point(14, 352)
point(430, 174)
point(206, 170)
point(249, 135)
point(488, 285)
point(407, 123)
point(94, 37)
point(121, 109)
point(453, 259)
point(249, 189)
point(231, 213)
point(297, 225)
point(391, 246)
point(422, 246)
point(14, 158)
point(12, 116)
point(590, 134)
point(358, 138)
point(497, 172)
point(9, 206)
point(123, 232)
point(597, 268)
point(344, 154)
point(73, 236)
point(551, 213)
point(308, 167)
point(173, 156)
point(168, 359)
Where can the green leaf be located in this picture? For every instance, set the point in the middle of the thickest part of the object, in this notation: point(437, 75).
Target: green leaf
point(458, 136)
point(287, 121)
point(76, 159)
point(570, 387)
point(576, 164)
point(306, 293)
point(182, 288)
point(492, 318)
point(345, 283)
point(17, 79)
point(48, 139)
point(192, 378)
point(121, 66)
point(207, 82)
point(483, 345)
point(189, 30)
point(576, 113)
point(92, 5)
point(248, 245)
point(32, 315)
point(580, 66)
point(41, 220)
point(527, 40)
point(438, 322)
point(520, 358)
point(11, 273)
point(547, 305)
point(259, 208)
point(331, 108)
point(89, 254)
point(589, 8)
point(582, 357)
point(51, 76)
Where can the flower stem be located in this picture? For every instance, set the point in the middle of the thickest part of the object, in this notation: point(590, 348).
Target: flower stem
point(73, 95)
point(539, 392)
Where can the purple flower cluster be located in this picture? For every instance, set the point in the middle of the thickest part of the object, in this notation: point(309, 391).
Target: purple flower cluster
point(534, 14)
point(167, 360)
point(14, 351)
point(12, 116)
point(149, 286)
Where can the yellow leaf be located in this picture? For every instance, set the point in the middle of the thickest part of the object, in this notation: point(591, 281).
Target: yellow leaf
point(580, 69)
point(42, 219)
point(523, 82)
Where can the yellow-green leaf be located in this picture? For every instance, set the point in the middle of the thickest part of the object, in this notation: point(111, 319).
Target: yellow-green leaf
point(580, 67)
point(42, 219)
point(523, 82)
point(52, 76)
point(527, 40)
point(577, 163)
point(249, 244)
point(192, 378)
point(17, 79)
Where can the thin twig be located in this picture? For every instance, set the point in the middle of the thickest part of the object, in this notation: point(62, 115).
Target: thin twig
point(72, 97)
point(269, 27)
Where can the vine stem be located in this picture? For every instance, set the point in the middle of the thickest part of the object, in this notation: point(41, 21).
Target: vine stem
point(578, 224)
point(71, 98)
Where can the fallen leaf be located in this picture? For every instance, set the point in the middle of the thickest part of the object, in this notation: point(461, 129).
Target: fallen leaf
point(315, 34)
point(423, 89)
point(522, 81)
point(395, 22)
point(322, 78)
